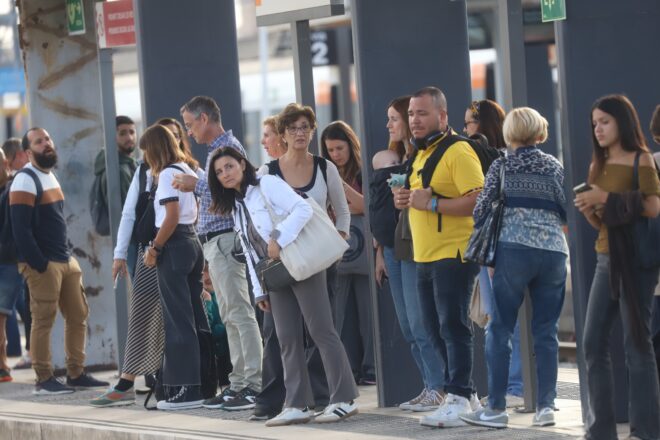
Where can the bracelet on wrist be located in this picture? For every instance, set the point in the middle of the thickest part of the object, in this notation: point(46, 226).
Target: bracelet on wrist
point(434, 204)
point(155, 247)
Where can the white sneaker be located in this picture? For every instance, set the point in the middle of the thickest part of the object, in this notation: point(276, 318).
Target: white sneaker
point(290, 416)
point(447, 416)
point(337, 411)
point(414, 401)
point(432, 401)
point(544, 417)
point(475, 404)
point(514, 401)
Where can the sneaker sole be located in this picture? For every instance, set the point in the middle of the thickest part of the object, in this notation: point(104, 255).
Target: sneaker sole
point(484, 423)
point(237, 408)
point(424, 408)
point(405, 407)
point(543, 424)
point(214, 406)
point(337, 418)
point(117, 403)
point(178, 406)
point(449, 424)
point(287, 422)
point(50, 393)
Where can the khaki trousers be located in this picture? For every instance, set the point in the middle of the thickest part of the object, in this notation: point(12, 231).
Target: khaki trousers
point(60, 285)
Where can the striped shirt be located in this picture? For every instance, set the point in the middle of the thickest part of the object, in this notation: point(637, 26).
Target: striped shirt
point(209, 222)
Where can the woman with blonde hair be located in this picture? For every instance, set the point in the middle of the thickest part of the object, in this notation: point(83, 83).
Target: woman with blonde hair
point(531, 254)
point(271, 140)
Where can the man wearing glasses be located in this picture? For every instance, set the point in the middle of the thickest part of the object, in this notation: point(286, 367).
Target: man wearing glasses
point(201, 117)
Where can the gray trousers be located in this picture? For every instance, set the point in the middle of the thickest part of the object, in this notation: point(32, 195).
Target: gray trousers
point(180, 282)
point(308, 300)
point(644, 393)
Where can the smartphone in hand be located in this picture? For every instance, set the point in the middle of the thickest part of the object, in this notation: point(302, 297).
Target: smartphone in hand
point(581, 188)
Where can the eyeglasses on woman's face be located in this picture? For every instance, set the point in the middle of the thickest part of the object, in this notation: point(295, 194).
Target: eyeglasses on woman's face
point(295, 129)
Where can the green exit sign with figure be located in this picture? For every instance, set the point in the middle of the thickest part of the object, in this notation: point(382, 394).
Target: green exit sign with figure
point(75, 17)
point(553, 10)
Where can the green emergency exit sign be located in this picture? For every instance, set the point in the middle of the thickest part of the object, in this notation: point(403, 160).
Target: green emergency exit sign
point(553, 10)
point(75, 17)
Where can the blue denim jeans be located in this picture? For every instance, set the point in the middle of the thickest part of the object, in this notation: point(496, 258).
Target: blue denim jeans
point(544, 273)
point(428, 356)
point(515, 386)
point(11, 287)
point(445, 288)
point(644, 393)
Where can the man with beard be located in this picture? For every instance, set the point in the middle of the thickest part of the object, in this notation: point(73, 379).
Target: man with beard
point(52, 274)
point(126, 139)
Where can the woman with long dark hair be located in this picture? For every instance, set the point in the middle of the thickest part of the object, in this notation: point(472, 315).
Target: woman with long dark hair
point(350, 286)
point(236, 190)
point(621, 286)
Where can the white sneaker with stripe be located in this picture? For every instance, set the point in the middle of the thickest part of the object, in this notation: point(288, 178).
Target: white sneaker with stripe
point(337, 411)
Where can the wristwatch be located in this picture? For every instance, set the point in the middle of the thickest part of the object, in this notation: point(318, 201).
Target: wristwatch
point(275, 234)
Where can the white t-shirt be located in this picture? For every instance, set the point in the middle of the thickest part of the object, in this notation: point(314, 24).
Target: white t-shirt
point(166, 194)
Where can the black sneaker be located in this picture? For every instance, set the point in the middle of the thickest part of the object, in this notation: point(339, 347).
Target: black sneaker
point(245, 399)
point(217, 401)
point(85, 381)
point(50, 387)
point(262, 413)
point(181, 397)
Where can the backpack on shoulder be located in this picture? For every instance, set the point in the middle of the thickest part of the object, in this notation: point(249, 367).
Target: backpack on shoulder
point(8, 250)
point(98, 207)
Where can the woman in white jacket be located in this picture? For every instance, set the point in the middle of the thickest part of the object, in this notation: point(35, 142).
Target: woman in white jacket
point(235, 188)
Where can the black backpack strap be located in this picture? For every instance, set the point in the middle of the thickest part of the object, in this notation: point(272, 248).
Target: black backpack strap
point(322, 163)
point(142, 178)
point(432, 162)
point(274, 168)
point(37, 183)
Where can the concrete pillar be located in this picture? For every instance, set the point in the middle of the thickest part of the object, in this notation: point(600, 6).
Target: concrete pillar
point(598, 54)
point(63, 96)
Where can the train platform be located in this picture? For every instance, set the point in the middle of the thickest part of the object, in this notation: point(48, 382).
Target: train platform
point(27, 417)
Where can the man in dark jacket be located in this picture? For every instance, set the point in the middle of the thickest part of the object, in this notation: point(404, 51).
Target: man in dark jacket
point(126, 141)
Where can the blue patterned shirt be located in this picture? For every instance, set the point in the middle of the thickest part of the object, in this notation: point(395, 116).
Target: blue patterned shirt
point(209, 222)
point(534, 199)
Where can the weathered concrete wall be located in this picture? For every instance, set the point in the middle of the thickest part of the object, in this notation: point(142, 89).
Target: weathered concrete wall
point(64, 97)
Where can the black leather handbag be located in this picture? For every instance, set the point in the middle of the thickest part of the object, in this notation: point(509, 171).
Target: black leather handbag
point(273, 275)
point(646, 232)
point(483, 241)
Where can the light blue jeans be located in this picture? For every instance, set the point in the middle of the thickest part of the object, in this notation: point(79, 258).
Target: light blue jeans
point(426, 353)
point(515, 386)
point(544, 273)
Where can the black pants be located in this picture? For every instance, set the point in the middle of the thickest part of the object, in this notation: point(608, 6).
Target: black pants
point(180, 280)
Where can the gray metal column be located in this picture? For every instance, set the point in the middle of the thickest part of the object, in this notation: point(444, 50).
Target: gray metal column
point(541, 92)
point(604, 46)
point(63, 96)
point(399, 48)
point(187, 49)
point(302, 69)
point(512, 42)
point(109, 112)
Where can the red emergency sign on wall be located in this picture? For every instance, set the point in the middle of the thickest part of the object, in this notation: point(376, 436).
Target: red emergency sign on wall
point(115, 25)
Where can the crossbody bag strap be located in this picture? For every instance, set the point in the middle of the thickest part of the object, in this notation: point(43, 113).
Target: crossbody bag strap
point(636, 171)
point(502, 174)
point(244, 225)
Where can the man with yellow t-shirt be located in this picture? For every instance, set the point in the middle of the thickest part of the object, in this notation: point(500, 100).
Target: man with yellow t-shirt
point(440, 218)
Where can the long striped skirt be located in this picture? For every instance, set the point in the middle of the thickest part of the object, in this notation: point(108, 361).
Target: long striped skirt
point(146, 335)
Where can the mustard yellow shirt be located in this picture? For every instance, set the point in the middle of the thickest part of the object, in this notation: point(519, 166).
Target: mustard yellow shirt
point(457, 174)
